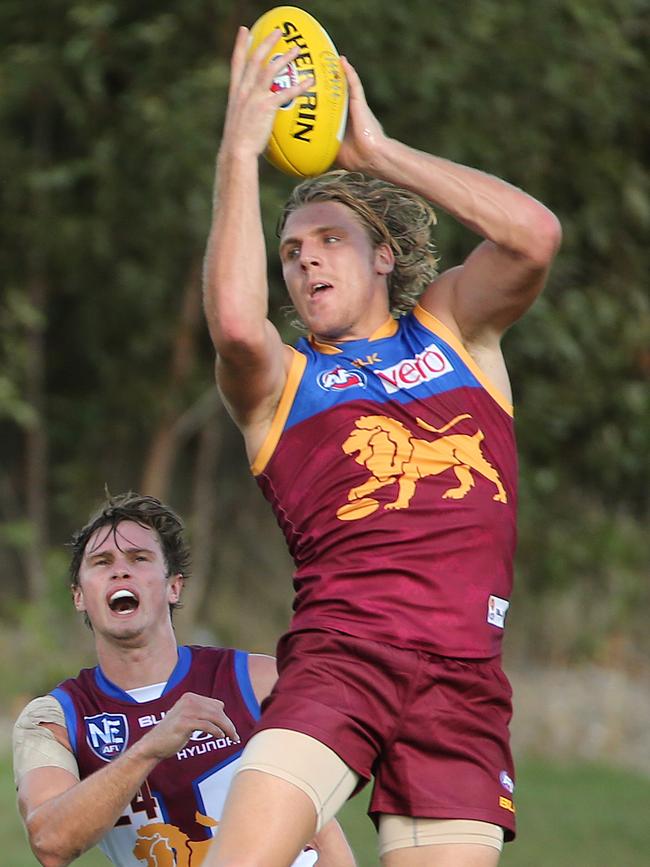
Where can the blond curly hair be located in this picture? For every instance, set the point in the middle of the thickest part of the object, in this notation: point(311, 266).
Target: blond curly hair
point(392, 216)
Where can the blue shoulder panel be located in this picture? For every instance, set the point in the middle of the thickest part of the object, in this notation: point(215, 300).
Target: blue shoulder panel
point(181, 669)
point(245, 685)
point(70, 715)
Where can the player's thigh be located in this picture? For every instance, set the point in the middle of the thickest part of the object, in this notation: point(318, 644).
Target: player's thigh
point(265, 823)
point(405, 841)
point(305, 763)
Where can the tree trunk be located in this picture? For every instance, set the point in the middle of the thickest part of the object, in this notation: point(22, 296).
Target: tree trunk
point(203, 527)
point(36, 439)
point(36, 449)
point(157, 473)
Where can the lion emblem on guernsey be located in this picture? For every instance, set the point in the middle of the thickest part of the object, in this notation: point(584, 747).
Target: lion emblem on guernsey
point(162, 845)
point(392, 455)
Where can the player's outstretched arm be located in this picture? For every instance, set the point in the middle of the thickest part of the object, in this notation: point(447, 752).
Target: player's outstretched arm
point(65, 817)
point(251, 356)
point(504, 274)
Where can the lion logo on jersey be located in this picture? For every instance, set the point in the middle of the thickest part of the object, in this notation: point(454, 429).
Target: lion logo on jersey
point(162, 845)
point(392, 455)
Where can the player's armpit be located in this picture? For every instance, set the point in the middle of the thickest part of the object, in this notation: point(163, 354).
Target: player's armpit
point(263, 673)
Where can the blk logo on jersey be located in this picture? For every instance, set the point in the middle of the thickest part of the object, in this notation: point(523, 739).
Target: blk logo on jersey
point(107, 734)
point(411, 372)
point(341, 378)
point(151, 719)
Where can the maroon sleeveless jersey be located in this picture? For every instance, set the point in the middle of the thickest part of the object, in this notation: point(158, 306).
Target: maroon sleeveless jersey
point(391, 467)
point(178, 806)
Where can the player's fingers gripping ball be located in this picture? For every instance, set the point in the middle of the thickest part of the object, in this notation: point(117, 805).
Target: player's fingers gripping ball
point(308, 130)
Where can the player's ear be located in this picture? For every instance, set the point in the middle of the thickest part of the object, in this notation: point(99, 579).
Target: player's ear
point(384, 259)
point(175, 588)
point(78, 597)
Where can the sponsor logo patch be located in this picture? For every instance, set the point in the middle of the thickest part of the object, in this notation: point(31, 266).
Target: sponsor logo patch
point(107, 734)
point(341, 378)
point(497, 610)
point(193, 749)
point(411, 372)
point(287, 77)
point(506, 781)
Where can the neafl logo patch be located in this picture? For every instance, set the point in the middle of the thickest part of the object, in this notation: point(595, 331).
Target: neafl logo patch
point(411, 372)
point(107, 734)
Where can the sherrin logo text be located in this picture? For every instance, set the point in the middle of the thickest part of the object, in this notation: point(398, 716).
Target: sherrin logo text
point(411, 372)
point(303, 67)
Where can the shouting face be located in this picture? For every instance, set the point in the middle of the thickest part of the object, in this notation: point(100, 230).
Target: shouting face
point(123, 584)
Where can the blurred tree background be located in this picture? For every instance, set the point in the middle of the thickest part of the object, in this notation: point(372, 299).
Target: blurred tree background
point(110, 116)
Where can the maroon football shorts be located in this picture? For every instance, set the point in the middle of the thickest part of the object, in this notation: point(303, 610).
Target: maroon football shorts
point(432, 730)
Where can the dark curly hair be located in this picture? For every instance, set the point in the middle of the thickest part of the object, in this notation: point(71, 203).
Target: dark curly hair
point(391, 215)
point(143, 510)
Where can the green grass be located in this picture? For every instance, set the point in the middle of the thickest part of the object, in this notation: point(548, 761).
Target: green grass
point(568, 816)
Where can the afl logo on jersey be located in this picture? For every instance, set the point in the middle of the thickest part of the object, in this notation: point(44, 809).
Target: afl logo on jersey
point(107, 734)
point(341, 378)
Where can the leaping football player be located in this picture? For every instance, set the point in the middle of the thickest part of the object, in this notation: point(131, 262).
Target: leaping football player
point(384, 442)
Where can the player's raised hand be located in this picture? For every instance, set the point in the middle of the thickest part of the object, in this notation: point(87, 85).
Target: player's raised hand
point(252, 104)
point(191, 713)
point(364, 135)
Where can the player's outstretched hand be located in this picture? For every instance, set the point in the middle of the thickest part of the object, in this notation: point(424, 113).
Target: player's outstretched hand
point(364, 136)
point(252, 105)
point(191, 713)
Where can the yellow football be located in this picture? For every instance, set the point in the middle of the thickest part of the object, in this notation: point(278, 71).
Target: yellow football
point(308, 130)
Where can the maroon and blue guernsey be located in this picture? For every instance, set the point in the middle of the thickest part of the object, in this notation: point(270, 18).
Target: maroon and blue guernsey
point(391, 467)
point(173, 817)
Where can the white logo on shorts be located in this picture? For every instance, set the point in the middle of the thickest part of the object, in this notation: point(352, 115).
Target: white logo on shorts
point(497, 610)
point(506, 781)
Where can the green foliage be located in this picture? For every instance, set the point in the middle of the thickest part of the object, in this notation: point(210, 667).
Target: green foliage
point(110, 114)
point(16, 314)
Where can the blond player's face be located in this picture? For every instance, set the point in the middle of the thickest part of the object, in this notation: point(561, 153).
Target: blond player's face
point(336, 279)
point(123, 584)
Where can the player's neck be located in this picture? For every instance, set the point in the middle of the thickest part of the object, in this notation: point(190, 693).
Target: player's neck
point(381, 324)
point(130, 667)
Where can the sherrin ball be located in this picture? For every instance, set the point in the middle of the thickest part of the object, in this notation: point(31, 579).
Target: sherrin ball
point(307, 130)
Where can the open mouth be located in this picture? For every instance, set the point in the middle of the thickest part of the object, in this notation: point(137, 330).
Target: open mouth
point(315, 288)
point(123, 602)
